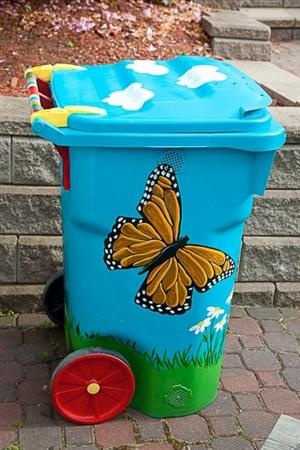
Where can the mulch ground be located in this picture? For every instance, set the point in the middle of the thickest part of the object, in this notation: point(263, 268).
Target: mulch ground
point(35, 32)
point(260, 380)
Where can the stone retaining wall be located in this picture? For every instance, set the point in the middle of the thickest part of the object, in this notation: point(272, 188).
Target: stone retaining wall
point(30, 241)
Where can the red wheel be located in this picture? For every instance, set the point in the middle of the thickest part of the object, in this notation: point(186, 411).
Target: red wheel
point(92, 385)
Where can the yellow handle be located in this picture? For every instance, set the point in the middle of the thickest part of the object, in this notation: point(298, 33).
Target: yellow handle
point(44, 72)
point(59, 116)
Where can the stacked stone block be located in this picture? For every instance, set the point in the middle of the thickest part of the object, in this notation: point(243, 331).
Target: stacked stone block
point(30, 229)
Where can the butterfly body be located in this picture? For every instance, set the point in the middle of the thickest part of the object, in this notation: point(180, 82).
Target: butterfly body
point(167, 253)
point(174, 267)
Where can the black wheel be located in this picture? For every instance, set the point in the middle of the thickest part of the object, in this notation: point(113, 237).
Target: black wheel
point(54, 299)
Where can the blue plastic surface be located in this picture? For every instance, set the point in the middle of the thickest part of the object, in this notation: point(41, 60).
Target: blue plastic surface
point(151, 103)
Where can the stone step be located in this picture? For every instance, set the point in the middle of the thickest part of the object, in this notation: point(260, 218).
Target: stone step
point(234, 25)
point(270, 3)
point(244, 49)
point(30, 210)
point(267, 258)
point(275, 214)
point(279, 83)
point(221, 4)
point(284, 22)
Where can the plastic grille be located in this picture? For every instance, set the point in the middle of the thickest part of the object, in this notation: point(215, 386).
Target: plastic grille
point(178, 396)
point(173, 158)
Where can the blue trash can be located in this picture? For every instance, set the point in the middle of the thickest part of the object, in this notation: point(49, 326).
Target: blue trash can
point(160, 164)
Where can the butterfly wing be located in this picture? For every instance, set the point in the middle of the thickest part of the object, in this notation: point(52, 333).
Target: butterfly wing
point(137, 242)
point(206, 266)
point(167, 289)
point(160, 204)
point(131, 243)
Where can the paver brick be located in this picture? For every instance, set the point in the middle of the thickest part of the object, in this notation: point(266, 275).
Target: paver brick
point(158, 446)
point(149, 427)
point(260, 360)
point(290, 313)
point(244, 326)
point(223, 425)
point(279, 342)
point(292, 376)
point(222, 406)
point(231, 443)
point(34, 391)
point(281, 401)
point(193, 429)
point(232, 344)
point(290, 359)
point(37, 415)
point(10, 415)
point(251, 341)
point(239, 380)
point(118, 432)
point(8, 392)
point(271, 326)
point(231, 361)
point(293, 326)
point(10, 340)
point(11, 372)
point(80, 435)
point(35, 353)
point(270, 378)
point(33, 336)
point(256, 424)
point(237, 311)
point(248, 402)
point(36, 372)
point(261, 313)
point(7, 438)
point(32, 438)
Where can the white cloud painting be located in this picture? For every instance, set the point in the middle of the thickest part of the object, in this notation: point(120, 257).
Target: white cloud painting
point(132, 98)
point(147, 67)
point(199, 75)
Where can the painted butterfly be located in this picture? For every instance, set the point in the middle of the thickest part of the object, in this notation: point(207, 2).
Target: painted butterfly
point(173, 267)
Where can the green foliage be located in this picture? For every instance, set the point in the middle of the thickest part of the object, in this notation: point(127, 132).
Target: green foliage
point(209, 356)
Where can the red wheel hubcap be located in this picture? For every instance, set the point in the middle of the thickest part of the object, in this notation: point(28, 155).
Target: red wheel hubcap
point(92, 388)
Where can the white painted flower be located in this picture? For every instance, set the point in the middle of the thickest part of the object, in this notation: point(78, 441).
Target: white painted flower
point(214, 312)
point(131, 98)
point(220, 325)
point(229, 298)
point(199, 75)
point(200, 326)
point(148, 67)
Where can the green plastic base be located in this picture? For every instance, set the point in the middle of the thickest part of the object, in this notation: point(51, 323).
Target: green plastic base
point(164, 387)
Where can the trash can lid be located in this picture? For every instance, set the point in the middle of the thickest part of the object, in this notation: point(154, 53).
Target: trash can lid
point(186, 94)
point(181, 96)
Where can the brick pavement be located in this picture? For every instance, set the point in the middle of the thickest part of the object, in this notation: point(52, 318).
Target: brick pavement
point(260, 380)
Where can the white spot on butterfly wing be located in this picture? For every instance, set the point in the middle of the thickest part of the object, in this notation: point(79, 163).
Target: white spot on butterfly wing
point(148, 67)
point(199, 75)
point(132, 98)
